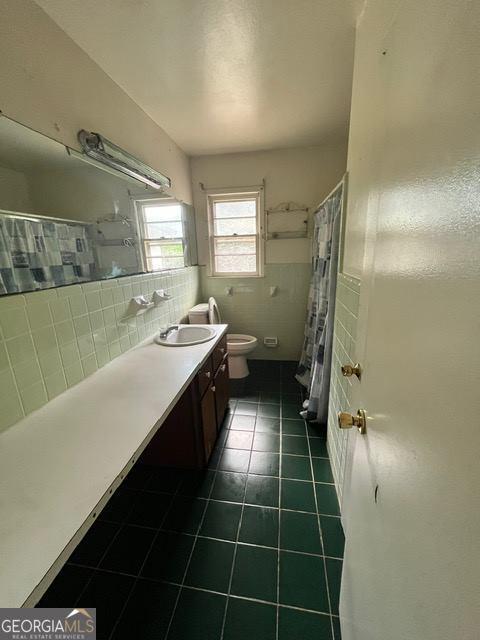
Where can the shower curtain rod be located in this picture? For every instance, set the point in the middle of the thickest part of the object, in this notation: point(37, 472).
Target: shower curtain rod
point(337, 186)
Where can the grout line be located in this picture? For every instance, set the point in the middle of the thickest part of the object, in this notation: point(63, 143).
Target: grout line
point(154, 539)
point(235, 550)
point(277, 631)
point(188, 562)
point(323, 549)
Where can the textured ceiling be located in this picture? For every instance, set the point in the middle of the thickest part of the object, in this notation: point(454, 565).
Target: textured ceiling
point(224, 75)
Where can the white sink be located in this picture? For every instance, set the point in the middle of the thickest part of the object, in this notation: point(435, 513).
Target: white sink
point(186, 335)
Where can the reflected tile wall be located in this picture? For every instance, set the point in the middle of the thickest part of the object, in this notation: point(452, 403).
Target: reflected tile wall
point(50, 340)
point(253, 311)
point(345, 332)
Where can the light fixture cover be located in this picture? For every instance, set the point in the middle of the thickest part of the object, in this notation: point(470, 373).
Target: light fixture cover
point(96, 146)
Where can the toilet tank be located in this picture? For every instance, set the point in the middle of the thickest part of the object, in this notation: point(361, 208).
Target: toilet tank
point(199, 314)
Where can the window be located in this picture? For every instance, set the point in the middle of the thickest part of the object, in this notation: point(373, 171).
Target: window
point(162, 233)
point(235, 233)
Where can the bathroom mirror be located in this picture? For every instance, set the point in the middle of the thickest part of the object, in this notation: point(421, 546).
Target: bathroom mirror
point(65, 220)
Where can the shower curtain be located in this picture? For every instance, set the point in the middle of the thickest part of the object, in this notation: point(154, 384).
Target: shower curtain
point(315, 362)
point(38, 255)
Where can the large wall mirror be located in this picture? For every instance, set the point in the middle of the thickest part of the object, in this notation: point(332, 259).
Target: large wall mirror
point(65, 219)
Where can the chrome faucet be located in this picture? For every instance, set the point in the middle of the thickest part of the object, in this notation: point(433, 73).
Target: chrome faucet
point(164, 334)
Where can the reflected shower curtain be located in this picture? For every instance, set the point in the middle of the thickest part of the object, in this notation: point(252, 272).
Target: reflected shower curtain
point(315, 362)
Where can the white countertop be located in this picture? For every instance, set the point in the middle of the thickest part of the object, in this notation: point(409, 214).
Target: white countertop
point(57, 463)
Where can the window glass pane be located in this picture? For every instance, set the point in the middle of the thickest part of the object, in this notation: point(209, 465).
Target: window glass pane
point(156, 249)
point(235, 209)
point(240, 226)
point(162, 212)
point(235, 246)
point(155, 264)
point(164, 230)
point(235, 264)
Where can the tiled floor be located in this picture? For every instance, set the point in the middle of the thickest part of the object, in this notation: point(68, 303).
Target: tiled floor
point(251, 548)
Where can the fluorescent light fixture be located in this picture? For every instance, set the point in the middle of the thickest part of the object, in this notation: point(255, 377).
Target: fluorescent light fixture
point(98, 148)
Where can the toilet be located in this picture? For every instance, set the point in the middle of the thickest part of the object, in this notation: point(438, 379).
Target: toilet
point(239, 345)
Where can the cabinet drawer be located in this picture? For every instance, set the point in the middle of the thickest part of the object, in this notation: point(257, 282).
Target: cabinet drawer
point(205, 376)
point(219, 353)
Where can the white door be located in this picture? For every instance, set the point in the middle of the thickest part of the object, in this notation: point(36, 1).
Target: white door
point(412, 517)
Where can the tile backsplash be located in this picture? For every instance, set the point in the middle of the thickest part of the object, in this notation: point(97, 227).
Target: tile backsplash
point(252, 310)
point(345, 331)
point(52, 339)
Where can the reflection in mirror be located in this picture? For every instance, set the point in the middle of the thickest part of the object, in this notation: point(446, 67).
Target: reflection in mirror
point(64, 220)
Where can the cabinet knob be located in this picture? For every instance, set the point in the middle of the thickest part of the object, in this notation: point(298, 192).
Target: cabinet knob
point(213, 388)
point(223, 367)
point(222, 349)
point(208, 374)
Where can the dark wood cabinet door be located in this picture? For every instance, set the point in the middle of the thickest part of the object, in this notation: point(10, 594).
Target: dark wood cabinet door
point(219, 352)
point(222, 392)
point(209, 420)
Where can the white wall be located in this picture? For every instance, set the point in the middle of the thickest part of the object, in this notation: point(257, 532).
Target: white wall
point(304, 175)
point(14, 190)
point(50, 84)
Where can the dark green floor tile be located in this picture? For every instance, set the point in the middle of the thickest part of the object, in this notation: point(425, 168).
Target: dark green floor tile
point(267, 425)
point(262, 491)
point(297, 495)
point(246, 408)
point(297, 445)
point(210, 565)
point(96, 541)
point(165, 479)
point(322, 470)
point(168, 557)
point(302, 581)
point(299, 532)
point(318, 448)
point(221, 520)
point(119, 506)
point(266, 442)
point(149, 509)
point(291, 398)
point(255, 573)
point(302, 625)
point(229, 486)
point(296, 467)
point(148, 611)
point(337, 632)
point(265, 464)
point(270, 397)
point(239, 439)
point(185, 514)
point(333, 537)
point(259, 526)
point(197, 483)
point(128, 550)
point(250, 620)
point(243, 423)
point(138, 477)
point(327, 500)
point(316, 431)
point(234, 460)
point(269, 410)
point(106, 592)
point(251, 396)
point(291, 411)
point(198, 616)
point(334, 577)
point(293, 427)
point(67, 587)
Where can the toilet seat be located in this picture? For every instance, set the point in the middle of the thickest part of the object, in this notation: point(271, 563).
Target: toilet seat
point(214, 316)
point(238, 342)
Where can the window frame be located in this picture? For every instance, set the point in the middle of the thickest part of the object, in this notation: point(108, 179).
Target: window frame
point(235, 195)
point(139, 204)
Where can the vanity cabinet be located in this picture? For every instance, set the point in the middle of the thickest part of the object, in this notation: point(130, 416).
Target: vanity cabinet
point(188, 435)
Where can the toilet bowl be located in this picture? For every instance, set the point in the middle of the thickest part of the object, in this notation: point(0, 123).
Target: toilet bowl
point(239, 345)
